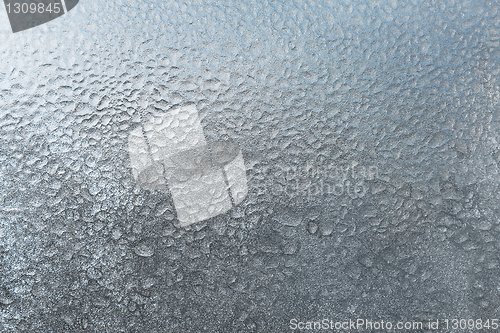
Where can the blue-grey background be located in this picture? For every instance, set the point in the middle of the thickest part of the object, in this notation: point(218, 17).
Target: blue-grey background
point(410, 88)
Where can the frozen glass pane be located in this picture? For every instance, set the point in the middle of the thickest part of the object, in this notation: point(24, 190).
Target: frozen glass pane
point(248, 166)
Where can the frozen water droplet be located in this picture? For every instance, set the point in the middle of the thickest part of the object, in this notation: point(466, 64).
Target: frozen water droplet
point(94, 273)
point(116, 234)
point(326, 228)
point(312, 227)
point(68, 320)
point(144, 250)
point(5, 300)
point(149, 283)
point(289, 218)
point(485, 225)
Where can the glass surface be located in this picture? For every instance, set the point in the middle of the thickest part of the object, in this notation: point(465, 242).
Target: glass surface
point(344, 155)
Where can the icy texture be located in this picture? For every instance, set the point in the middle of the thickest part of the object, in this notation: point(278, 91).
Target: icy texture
point(370, 132)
